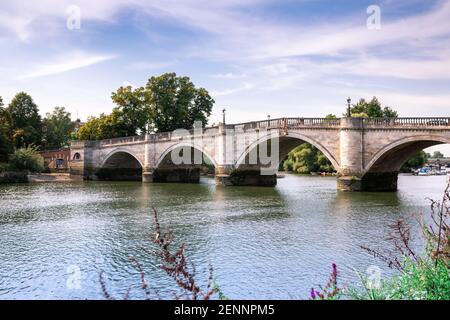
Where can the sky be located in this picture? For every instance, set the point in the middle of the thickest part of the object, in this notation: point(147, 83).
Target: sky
point(290, 58)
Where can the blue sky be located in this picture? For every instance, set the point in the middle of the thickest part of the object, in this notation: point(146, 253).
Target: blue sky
point(256, 57)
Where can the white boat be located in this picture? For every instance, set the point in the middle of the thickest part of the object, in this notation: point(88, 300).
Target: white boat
point(424, 172)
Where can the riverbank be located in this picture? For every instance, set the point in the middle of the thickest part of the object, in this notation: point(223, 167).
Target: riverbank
point(25, 177)
point(52, 177)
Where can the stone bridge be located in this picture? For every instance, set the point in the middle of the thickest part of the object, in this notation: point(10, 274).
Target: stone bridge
point(366, 153)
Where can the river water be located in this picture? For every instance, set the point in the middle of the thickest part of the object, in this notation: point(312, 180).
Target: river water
point(263, 243)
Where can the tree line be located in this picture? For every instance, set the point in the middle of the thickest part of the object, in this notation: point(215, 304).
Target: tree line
point(167, 102)
point(21, 126)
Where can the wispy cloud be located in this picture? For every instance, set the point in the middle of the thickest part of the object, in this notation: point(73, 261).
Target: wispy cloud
point(245, 86)
point(65, 64)
point(229, 75)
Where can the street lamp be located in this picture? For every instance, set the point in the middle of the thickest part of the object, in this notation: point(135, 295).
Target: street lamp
point(223, 114)
point(349, 107)
point(268, 117)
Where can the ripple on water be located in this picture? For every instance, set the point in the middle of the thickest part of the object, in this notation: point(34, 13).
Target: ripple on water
point(264, 243)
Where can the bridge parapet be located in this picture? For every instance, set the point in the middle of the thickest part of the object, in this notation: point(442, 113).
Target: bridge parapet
point(407, 122)
point(289, 123)
point(124, 140)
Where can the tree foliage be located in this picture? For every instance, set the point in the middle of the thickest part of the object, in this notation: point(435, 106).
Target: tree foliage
point(307, 158)
point(167, 102)
point(105, 127)
point(27, 159)
point(417, 161)
point(372, 109)
point(5, 143)
point(132, 109)
point(57, 127)
point(176, 103)
point(25, 121)
point(438, 155)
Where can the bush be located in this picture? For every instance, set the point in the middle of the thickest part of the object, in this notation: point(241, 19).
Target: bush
point(3, 167)
point(27, 159)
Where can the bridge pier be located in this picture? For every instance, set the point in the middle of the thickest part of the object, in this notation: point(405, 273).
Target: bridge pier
point(370, 182)
point(244, 177)
point(147, 175)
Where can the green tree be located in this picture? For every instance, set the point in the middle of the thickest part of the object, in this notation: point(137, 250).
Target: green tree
point(372, 109)
point(417, 161)
point(57, 127)
point(306, 159)
point(176, 103)
point(27, 159)
point(5, 143)
point(104, 127)
point(90, 130)
point(132, 109)
point(25, 121)
point(438, 155)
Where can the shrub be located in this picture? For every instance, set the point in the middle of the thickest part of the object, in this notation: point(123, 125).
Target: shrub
point(422, 276)
point(3, 167)
point(26, 159)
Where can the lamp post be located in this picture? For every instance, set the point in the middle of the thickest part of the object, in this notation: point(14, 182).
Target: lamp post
point(268, 117)
point(223, 115)
point(349, 107)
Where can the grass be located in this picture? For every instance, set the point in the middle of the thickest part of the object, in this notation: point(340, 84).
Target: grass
point(424, 276)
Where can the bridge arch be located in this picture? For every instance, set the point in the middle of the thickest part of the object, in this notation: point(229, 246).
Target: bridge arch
point(166, 171)
point(287, 143)
point(184, 145)
point(402, 150)
point(120, 164)
point(381, 172)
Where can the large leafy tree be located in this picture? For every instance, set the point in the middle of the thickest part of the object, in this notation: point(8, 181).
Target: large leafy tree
point(372, 109)
point(25, 121)
point(57, 127)
point(104, 127)
point(132, 109)
point(176, 103)
point(5, 142)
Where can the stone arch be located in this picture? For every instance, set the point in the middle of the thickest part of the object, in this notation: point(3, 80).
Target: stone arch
point(287, 144)
point(181, 145)
point(120, 164)
point(120, 150)
point(407, 147)
point(166, 171)
point(381, 172)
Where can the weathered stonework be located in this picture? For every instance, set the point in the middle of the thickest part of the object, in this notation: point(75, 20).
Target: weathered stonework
point(366, 153)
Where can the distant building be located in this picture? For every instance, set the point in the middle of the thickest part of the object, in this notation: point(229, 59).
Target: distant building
point(57, 160)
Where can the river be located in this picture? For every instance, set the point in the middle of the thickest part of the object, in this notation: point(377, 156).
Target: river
point(263, 243)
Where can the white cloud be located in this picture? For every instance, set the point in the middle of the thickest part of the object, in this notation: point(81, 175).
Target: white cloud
point(65, 64)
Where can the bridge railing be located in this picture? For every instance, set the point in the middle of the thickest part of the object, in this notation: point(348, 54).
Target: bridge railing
point(407, 122)
point(289, 123)
point(122, 140)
